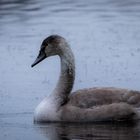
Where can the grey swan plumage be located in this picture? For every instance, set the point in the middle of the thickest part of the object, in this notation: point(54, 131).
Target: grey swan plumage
point(86, 105)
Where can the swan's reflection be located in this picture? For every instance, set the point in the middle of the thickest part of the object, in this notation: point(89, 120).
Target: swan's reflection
point(68, 131)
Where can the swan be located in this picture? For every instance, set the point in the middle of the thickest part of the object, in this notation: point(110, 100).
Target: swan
point(85, 105)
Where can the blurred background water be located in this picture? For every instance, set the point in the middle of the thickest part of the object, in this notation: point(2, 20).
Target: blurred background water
point(105, 38)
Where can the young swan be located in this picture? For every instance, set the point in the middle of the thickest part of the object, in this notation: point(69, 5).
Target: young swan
point(87, 105)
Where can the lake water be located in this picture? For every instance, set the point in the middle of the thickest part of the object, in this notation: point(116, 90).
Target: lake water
point(105, 39)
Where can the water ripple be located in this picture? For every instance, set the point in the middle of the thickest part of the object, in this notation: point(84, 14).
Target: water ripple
point(65, 8)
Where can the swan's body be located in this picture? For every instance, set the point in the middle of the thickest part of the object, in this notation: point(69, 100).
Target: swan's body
point(87, 105)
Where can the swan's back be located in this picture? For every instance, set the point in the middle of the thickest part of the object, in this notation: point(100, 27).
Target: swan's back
point(87, 98)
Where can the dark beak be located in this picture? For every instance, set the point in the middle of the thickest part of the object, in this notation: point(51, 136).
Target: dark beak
point(40, 57)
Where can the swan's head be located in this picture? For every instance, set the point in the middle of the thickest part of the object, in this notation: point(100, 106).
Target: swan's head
point(52, 45)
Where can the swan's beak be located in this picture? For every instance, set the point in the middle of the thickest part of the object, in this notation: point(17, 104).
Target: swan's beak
point(40, 57)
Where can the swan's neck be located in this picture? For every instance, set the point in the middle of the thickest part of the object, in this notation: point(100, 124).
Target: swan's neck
point(66, 79)
point(47, 109)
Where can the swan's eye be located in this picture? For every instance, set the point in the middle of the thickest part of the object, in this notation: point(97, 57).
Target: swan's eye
point(46, 44)
point(43, 48)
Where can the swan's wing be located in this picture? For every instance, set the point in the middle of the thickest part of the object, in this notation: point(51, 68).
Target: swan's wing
point(110, 112)
point(87, 98)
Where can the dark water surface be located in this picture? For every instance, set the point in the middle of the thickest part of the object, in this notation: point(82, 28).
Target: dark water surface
point(105, 38)
point(19, 126)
